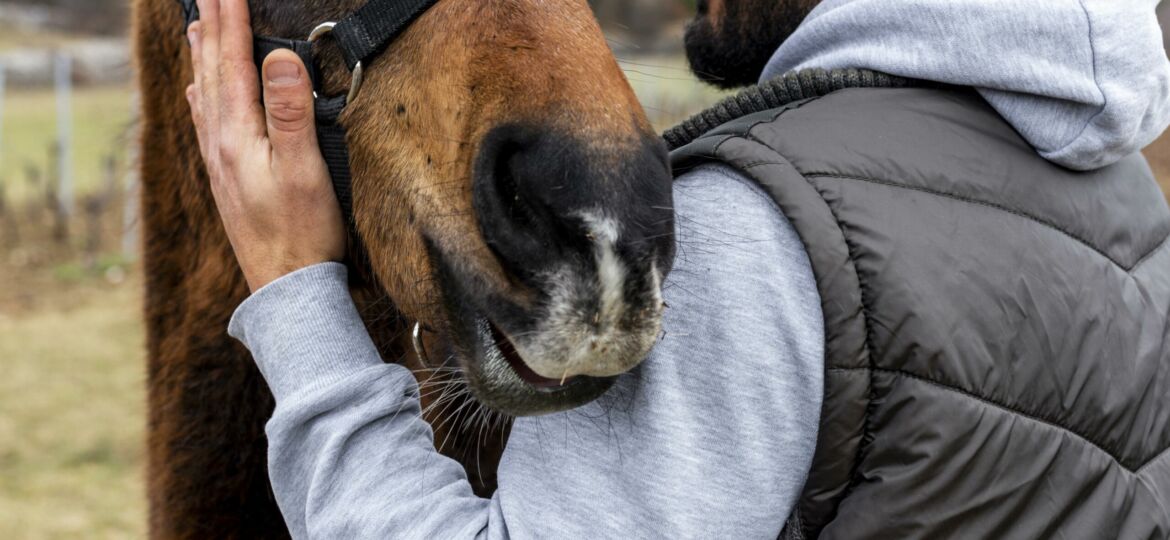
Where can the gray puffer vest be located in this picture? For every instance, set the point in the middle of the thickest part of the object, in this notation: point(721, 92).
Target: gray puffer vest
point(997, 362)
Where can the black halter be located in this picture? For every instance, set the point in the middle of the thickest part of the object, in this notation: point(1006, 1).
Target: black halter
point(361, 36)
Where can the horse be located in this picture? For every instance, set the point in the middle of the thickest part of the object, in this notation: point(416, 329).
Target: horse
point(511, 203)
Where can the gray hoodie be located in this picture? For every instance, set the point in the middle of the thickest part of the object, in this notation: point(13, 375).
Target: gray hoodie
point(1086, 82)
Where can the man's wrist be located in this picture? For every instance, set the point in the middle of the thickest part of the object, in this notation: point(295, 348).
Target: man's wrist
point(259, 274)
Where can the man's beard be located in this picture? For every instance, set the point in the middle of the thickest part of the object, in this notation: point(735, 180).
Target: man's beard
point(733, 51)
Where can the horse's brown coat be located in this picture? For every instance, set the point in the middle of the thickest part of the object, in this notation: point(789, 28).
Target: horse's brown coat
point(464, 67)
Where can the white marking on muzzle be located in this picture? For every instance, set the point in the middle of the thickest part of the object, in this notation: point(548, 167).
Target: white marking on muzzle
point(570, 342)
point(611, 273)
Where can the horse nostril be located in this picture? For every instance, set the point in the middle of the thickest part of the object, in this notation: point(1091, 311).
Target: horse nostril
point(515, 217)
point(540, 197)
point(515, 207)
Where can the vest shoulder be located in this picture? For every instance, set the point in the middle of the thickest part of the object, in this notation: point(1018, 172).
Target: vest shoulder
point(946, 143)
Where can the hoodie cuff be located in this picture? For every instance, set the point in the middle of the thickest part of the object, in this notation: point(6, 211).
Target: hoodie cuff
point(304, 331)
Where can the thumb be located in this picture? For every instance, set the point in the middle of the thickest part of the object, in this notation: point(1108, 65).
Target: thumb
point(288, 105)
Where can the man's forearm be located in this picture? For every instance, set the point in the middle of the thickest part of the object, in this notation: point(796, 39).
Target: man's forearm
point(346, 425)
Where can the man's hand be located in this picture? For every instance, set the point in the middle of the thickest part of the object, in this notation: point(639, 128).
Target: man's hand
point(267, 174)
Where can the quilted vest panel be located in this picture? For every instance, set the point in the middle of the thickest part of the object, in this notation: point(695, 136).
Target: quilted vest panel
point(996, 361)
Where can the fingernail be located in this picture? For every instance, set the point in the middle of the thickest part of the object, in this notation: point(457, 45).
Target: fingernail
point(284, 73)
point(193, 35)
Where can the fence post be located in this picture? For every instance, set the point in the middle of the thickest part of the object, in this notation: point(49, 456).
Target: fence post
point(63, 81)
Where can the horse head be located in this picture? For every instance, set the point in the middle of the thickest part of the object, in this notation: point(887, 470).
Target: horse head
point(508, 192)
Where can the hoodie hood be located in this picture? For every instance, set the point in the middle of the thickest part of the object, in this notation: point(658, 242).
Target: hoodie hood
point(1086, 82)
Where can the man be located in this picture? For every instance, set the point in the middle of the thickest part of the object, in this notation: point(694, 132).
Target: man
point(897, 310)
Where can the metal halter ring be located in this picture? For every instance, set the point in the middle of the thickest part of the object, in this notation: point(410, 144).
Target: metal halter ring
point(419, 348)
point(355, 81)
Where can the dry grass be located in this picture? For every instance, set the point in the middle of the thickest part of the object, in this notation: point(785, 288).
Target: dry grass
point(72, 397)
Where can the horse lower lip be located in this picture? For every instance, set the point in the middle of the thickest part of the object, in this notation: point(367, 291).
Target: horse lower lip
point(526, 374)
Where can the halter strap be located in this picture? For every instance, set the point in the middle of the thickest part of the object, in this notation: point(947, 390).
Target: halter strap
point(365, 33)
point(361, 36)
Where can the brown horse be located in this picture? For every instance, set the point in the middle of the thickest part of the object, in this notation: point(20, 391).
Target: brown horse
point(509, 194)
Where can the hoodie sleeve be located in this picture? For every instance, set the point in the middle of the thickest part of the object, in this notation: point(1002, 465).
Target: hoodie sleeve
point(711, 436)
point(349, 455)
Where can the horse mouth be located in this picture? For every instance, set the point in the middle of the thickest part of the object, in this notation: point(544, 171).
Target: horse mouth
point(498, 343)
point(512, 355)
point(501, 380)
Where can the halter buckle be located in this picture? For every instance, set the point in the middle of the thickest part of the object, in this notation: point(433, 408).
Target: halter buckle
point(356, 77)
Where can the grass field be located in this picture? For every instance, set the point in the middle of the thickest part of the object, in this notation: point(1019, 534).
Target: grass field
point(72, 397)
point(101, 122)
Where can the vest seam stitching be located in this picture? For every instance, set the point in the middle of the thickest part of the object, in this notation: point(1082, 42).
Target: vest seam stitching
point(1150, 254)
point(1016, 411)
point(871, 400)
point(854, 478)
point(679, 171)
point(976, 202)
point(754, 164)
point(747, 133)
point(1154, 460)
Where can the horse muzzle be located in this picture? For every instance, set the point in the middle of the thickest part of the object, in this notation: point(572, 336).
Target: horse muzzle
point(585, 239)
